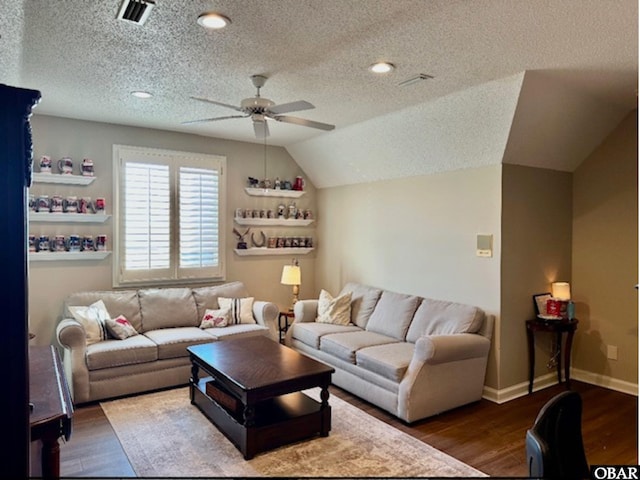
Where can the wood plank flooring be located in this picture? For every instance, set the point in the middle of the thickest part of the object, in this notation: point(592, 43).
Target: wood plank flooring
point(485, 435)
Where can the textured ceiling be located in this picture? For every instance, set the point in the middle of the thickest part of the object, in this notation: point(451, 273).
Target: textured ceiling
point(85, 61)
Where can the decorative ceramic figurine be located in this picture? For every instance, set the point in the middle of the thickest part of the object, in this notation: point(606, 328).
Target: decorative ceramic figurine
point(87, 167)
point(242, 244)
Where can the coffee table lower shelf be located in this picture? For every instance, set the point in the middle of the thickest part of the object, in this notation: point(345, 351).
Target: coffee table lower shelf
point(278, 421)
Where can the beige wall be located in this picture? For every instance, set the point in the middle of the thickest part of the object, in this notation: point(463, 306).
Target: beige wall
point(536, 250)
point(415, 235)
point(605, 255)
point(50, 282)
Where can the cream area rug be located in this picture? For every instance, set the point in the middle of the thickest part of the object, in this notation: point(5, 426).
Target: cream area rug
point(165, 436)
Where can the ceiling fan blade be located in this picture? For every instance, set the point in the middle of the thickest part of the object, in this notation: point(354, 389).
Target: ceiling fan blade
point(261, 129)
point(218, 103)
point(304, 122)
point(290, 107)
point(213, 119)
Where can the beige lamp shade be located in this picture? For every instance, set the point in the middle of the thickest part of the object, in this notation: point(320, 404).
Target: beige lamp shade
point(561, 290)
point(290, 275)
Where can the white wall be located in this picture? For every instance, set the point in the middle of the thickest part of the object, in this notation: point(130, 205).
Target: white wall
point(415, 235)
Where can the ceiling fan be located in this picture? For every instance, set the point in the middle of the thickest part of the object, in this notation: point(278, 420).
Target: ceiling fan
point(259, 109)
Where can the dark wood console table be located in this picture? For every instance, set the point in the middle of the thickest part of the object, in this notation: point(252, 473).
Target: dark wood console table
point(52, 412)
point(558, 327)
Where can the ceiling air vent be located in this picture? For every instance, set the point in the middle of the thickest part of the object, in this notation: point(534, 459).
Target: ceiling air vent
point(136, 11)
point(413, 80)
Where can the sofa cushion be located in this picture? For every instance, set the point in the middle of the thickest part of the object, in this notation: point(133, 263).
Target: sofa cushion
point(334, 310)
point(167, 307)
point(116, 353)
point(363, 301)
point(215, 318)
point(310, 333)
point(173, 342)
point(93, 319)
point(122, 302)
point(393, 314)
point(345, 345)
point(120, 327)
point(240, 309)
point(390, 360)
point(236, 331)
point(439, 317)
point(207, 297)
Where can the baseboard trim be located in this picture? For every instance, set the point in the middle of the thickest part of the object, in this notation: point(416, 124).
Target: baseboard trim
point(605, 381)
point(544, 381)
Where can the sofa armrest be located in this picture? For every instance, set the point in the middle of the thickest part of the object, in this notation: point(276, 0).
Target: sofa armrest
point(266, 314)
point(71, 334)
point(305, 310)
point(434, 349)
point(72, 337)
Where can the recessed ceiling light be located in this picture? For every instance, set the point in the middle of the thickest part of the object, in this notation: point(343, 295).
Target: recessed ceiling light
point(213, 20)
point(141, 94)
point(382, 67)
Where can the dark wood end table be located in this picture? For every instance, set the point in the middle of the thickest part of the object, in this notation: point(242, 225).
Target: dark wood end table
point(283, 323)
point(253, 392)
point(558, 327)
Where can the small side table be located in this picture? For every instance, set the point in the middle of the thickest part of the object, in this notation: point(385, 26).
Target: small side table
point(283, 323)
point(558, 327)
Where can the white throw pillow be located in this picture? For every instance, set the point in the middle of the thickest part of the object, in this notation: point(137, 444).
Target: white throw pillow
point(240, 309)
point(120, 327)
point(334, 310)
point(215, 318)
point(93, 319)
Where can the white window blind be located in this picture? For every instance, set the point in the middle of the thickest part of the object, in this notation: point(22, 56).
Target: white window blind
point(198, 218)
point(170, 216)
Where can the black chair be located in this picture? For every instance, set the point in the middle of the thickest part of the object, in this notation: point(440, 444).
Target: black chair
point(554, 443)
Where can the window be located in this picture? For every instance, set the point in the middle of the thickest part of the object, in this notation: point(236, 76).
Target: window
point(169, 208)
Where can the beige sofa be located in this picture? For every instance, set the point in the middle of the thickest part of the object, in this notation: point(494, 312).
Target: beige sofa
point(167, 320)
point(413, 357)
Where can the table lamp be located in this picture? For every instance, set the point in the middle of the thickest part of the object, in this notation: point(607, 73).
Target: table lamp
point(561, 293)
point(291, 276)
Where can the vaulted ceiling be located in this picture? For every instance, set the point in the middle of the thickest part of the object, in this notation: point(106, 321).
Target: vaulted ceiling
point(533, 82)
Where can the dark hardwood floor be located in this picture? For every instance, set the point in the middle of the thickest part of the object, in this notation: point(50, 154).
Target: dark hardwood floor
point(485, 435)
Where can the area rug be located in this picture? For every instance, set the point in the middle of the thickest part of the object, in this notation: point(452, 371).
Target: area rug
point(163, 435)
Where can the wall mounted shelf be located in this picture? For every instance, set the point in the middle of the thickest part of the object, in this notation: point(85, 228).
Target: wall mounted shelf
point(61, 256)
point(272, 222)
point(271, 192)
point(45, 217)
point(272, 251)
point(62, 179)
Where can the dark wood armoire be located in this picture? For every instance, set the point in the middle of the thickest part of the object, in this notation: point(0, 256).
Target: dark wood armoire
point(15, 178)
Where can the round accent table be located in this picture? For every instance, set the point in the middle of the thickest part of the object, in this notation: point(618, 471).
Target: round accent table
point(558, 327)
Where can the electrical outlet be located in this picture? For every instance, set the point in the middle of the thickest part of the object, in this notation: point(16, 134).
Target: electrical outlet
point(612, 352)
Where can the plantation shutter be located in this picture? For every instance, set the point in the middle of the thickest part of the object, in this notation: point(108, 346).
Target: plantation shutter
point(199, 220)
point(147, 217)
point(169, 208)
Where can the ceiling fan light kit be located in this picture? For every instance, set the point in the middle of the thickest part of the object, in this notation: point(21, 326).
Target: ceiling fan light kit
point(260, 109)
point(213, 20)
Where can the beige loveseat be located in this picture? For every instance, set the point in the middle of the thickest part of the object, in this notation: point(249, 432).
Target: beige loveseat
point(413, 357)
point(167, 320)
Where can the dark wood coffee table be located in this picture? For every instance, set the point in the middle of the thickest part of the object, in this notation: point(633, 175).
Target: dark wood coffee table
point(253, 392)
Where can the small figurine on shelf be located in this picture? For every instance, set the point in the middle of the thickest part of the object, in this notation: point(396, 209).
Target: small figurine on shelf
point(281, 210)
point(298, 184)
point(242, 244)
point(253, 182)
point(293, 211)
point(276, 183)
point(87, 167)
